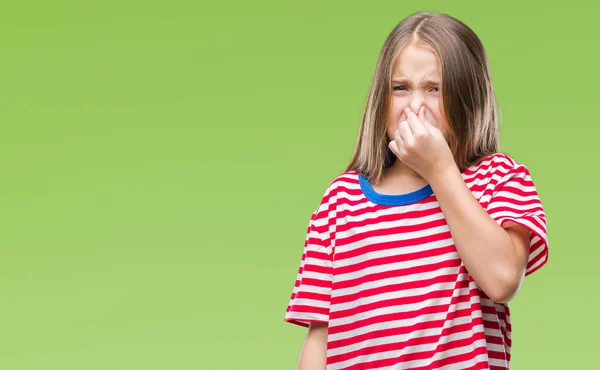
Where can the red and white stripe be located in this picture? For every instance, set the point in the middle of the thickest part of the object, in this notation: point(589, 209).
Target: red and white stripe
point(391, 286)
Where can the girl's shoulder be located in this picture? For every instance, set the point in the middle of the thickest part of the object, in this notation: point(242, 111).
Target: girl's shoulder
point(342, 182)
point(495, 164)
point(346, 179)
point(496, 173)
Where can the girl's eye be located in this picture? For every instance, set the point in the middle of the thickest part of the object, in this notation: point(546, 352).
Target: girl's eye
point(397, 88)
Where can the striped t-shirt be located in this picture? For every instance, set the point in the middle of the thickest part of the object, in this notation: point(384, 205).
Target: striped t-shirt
point(383, 271)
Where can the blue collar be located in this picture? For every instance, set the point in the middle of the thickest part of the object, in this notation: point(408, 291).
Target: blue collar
point(393, 200)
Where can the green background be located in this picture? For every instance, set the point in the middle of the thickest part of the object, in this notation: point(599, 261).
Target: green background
point(160, 162)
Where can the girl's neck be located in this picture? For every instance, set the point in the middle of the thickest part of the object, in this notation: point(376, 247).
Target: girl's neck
point(399, 169)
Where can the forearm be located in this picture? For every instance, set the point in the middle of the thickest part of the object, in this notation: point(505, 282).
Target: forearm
point(485, 248)
point(313, 355)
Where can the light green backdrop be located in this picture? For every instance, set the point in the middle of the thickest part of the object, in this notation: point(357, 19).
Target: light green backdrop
point(160, 162)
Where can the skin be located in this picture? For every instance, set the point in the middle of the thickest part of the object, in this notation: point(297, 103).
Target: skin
point(416, 81)
point(313, 354)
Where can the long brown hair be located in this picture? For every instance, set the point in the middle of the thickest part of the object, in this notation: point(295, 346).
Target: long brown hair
point(468, 99)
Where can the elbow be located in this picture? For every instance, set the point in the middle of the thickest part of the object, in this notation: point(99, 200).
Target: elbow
point(503, 296)
point(505, 288)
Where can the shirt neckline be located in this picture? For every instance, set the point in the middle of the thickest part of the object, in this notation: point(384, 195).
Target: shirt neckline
point(393, 199)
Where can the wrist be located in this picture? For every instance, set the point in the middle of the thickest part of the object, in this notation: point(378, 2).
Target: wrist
point(443, 175)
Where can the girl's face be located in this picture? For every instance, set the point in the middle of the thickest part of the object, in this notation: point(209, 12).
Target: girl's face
point(416, 81)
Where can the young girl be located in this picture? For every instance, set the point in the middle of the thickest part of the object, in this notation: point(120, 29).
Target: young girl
point(415, 250)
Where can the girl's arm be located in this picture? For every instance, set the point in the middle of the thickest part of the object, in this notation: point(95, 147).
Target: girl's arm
point(313, 355)
point(495, 256)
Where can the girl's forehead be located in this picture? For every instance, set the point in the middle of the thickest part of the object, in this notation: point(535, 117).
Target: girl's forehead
point(429, 72)
point(414, 58)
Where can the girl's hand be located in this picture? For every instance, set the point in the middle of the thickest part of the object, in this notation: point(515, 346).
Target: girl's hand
point(422, 146)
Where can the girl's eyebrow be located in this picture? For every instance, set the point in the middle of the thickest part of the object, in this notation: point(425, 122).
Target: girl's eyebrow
point(425, 82)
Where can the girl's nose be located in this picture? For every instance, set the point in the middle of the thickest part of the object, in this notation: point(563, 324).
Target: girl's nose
point(415, 107)
point(415, 103)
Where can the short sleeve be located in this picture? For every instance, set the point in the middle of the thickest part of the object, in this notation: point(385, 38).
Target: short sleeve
point(311, 295)
point(513, 197)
